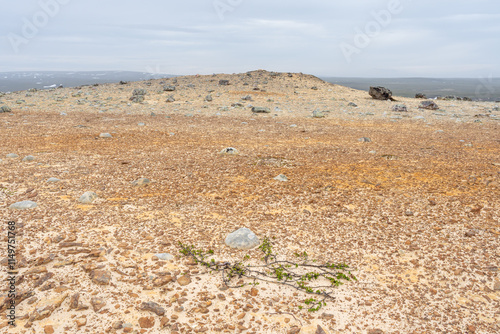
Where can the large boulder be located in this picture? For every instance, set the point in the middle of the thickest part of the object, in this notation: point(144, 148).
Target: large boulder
point(381, 93)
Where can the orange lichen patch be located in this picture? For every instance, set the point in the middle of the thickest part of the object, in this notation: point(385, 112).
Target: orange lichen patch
point(84, 207)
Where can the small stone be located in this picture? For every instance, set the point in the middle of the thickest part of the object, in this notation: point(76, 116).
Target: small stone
point(164, 256)
point(229, 150)
point(23, 205)
point(281, 178)
point(318, 114)
point(352, 104)
point(184, 280)
point(141, 182)
point(141, 124)
point(471, 329)
point(5, 109)
point(223, 82)
point(170, 99)
point(46, 306)
point(105, 135)
point(81, 322)
point(261, 110)
point(48, 329)
point(97, 303)
point(117, 325)
point(29, 158)
point(208, 98)
point(319, 330)
point(254, 292)
point(399, 108)
point(153, 307)
point(420, 96)
point(101, 277)
point(409, 213)
point(12, 156)
point(375, 331)
point(243, 238)
point(88, 197)
point(161, 281)
point(428, 105)
point(471, 233)
point(146, 322)
point(169, 88)
point(364, 140)
point(53, 179)
point(294, 330)
point(73, 301)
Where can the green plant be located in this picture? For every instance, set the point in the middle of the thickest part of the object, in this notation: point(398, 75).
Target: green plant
point(299, 276)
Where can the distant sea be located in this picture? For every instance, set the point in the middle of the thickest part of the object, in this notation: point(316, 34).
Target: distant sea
point(16, 81)
point(484, 89)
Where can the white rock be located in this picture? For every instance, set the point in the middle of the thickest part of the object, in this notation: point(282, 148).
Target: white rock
point(87, 197)
point(23, 205)
point(243, 238)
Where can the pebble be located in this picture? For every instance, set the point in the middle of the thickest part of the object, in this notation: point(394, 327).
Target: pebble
point(105, 135)
point(12, 156)
point(141, 124)
point(141, 182)
point(184, 280)
point(88, 197)
point(281, 178)
point(53, 179)
point(229, 150)
point(293, 125)
point(164, 256)
point(364, 140)
point(101, 277)
point(261, 110)
point(146, 322)
point(152, 307)
point(29, 158)
point(399, 108)
point(243, 238)
point(23, 205)
point(318, 114)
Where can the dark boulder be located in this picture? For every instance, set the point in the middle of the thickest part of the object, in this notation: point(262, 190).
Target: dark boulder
point(420, 96)
point(381, 93)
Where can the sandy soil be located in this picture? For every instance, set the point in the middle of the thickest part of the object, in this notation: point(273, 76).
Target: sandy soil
point(415, 211)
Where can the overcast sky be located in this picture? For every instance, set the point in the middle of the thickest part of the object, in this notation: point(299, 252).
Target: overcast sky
point(390, 38)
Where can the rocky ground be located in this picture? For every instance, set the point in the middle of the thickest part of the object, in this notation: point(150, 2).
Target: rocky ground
point(410, 200)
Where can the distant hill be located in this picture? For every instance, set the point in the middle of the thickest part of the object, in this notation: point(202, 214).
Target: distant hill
point(16, 81)
point(487, 89)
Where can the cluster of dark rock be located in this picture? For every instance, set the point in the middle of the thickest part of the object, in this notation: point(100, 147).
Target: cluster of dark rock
point(138, 95)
